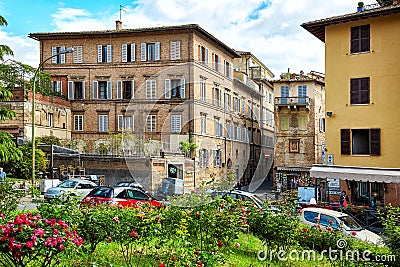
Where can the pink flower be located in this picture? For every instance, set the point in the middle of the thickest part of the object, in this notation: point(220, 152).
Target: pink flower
point(329, 229)
point(55, 231)
point(61, 246)
point(116, 219)
point(29, 244)
point(237, 245)
point(39, 232)
point(197, 214)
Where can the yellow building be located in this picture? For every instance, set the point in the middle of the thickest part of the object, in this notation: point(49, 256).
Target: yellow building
point(362, 102)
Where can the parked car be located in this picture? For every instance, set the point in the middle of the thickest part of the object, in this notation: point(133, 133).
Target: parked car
point(335, 219)
point(240, 195)
point(119, 196)
point(132, 184)
point(73, 187)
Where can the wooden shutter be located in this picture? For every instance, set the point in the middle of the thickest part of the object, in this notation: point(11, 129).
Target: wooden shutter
point(120, 122)
point(206, 57)
point(167, 88)
point(133, 89)
point(62, 56)
point(200, 53)
point(355, 40)
point(109, 53)
point(124, 53)
point(345, 141)
point(119, 89)
point(183, 89)
point(172, 52)
point(99, 53)
point(95, 90)
point(109, 89)
point(178, 50)
point(133, 53)
point(364, 91)
point(53, 53)
point(143, 52)
point(354, 89)
point(365, 38)
point(83, 90)
point(70, 90)
point(77, 54)
point(375, 141)
point(157, 51)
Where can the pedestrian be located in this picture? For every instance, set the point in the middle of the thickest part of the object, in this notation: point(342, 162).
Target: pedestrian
point(2, 175)
point(344, 199)
point(238, 185)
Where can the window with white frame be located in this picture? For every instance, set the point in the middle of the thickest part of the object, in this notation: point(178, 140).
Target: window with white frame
point(175, 88)
point(125, 89)
point(150, 51)
point(128, 52)
point(60, 58)
point(203, 123)
point(243, 106)
point(151, 123)
point(78, 122)
point(236, 104)
point(151, 89)
point(104, 54)
point(76, 90)
point(203, 92)
point(228, 101)
point(126, 123)
point(50, 118)
point(176, 123)
point(56, 86)
point(237, 129)
point(216, 62)
point(203, 55)
point(175, 50)
point(77, 54)
point(203, 158)
point(228, 69)
point(217, 126)
point(228, 129)
point(217, 158)
point(103, 123)
point(217, 96)
point(102, 89)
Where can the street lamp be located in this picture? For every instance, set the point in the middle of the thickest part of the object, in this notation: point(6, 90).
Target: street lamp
point(65, 51)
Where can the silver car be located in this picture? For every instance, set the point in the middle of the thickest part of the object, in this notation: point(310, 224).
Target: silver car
point(73, 187)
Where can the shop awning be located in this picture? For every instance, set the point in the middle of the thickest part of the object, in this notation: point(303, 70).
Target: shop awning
point(363, 174)
point(292, 169)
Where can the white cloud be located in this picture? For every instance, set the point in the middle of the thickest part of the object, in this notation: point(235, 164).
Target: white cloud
point(25, 50)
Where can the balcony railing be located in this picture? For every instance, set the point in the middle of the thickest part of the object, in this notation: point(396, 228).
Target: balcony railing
point(292, 101)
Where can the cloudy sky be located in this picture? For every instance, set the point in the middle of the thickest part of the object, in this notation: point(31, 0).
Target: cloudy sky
point(269, 29)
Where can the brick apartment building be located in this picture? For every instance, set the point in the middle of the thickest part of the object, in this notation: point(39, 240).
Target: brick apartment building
point(162, 85)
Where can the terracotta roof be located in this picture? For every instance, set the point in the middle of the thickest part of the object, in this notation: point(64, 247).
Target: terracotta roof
point(44, 35)
point(317, 27)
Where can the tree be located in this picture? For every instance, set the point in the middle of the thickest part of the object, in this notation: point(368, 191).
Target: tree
point(4, 50)
point(9, 152)
point(188, 147)
point(50, 140)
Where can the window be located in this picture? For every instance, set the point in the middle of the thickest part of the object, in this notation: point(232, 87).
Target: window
point(150, 51)
point(228, 129)
point(285, 123)
point(60, 58)
point(216, 62)
point(302, 123)
point(311, 216)
point(76, 90)
point(361, 141)
point(217, 158)
point(125, 89)
point(204, 158)
point(104, 54)
point(126, 123)
point(236, 104)
point(203, 126)
point(102, 89)
point(243, 107)
point(176, 123)
point(322, 125)
point(228, 101)
point(203, 55)
point(103, 123)
point(78, 122)
point(175, 88)
point(128, 52)
point(151, 89)
point(284, 94)
point(359, 40)
point(151, 123)
point(50, 119)
point(217, 126)
point(302, 91)
point(294, 145)
point(359, 91)
point(56, 86)
point(203, 93)
point(271, 98)
point(327, 220)
point(237, 130)
point(228, 69)
point(217, 96)
point(175, 50)
point(77, 54)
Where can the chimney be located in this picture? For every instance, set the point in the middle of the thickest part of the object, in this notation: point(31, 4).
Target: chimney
point(118, 25)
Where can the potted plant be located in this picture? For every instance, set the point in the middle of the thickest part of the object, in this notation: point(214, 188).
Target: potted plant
point(360, 6)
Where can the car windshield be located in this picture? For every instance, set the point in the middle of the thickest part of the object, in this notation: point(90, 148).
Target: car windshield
point(68, 184)
point(350, 223)
point(106, 192)
point(123, 184)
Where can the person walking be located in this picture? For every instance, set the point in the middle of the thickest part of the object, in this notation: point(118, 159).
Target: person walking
point(2, 175)
point(344, 199)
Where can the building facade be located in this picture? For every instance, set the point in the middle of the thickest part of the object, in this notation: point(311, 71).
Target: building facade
point(158, 86)
point(362, 80)
point(299, 127)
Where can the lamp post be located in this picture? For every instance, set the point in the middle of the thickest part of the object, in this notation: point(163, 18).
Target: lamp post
point(65, 51)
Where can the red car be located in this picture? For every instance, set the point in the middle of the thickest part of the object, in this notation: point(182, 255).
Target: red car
point(119, 196)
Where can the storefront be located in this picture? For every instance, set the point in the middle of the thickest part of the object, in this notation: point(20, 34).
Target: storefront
point(288, 178)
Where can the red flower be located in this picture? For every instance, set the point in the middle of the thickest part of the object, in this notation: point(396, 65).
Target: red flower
point(237, 245)
point(134, 234)
point(316, 219)
point(199, 264)
point(353, 233)
point(161, 265)
point(306, 237)
point(197, 214)
point(29, 244)
point(220, 244)
point(329, 229)
point(330, 222)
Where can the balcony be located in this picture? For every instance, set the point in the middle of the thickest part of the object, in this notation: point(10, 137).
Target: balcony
point(301, 101)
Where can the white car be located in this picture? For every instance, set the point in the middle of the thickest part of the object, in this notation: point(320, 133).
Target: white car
point(72, 187)
point(335, 219)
